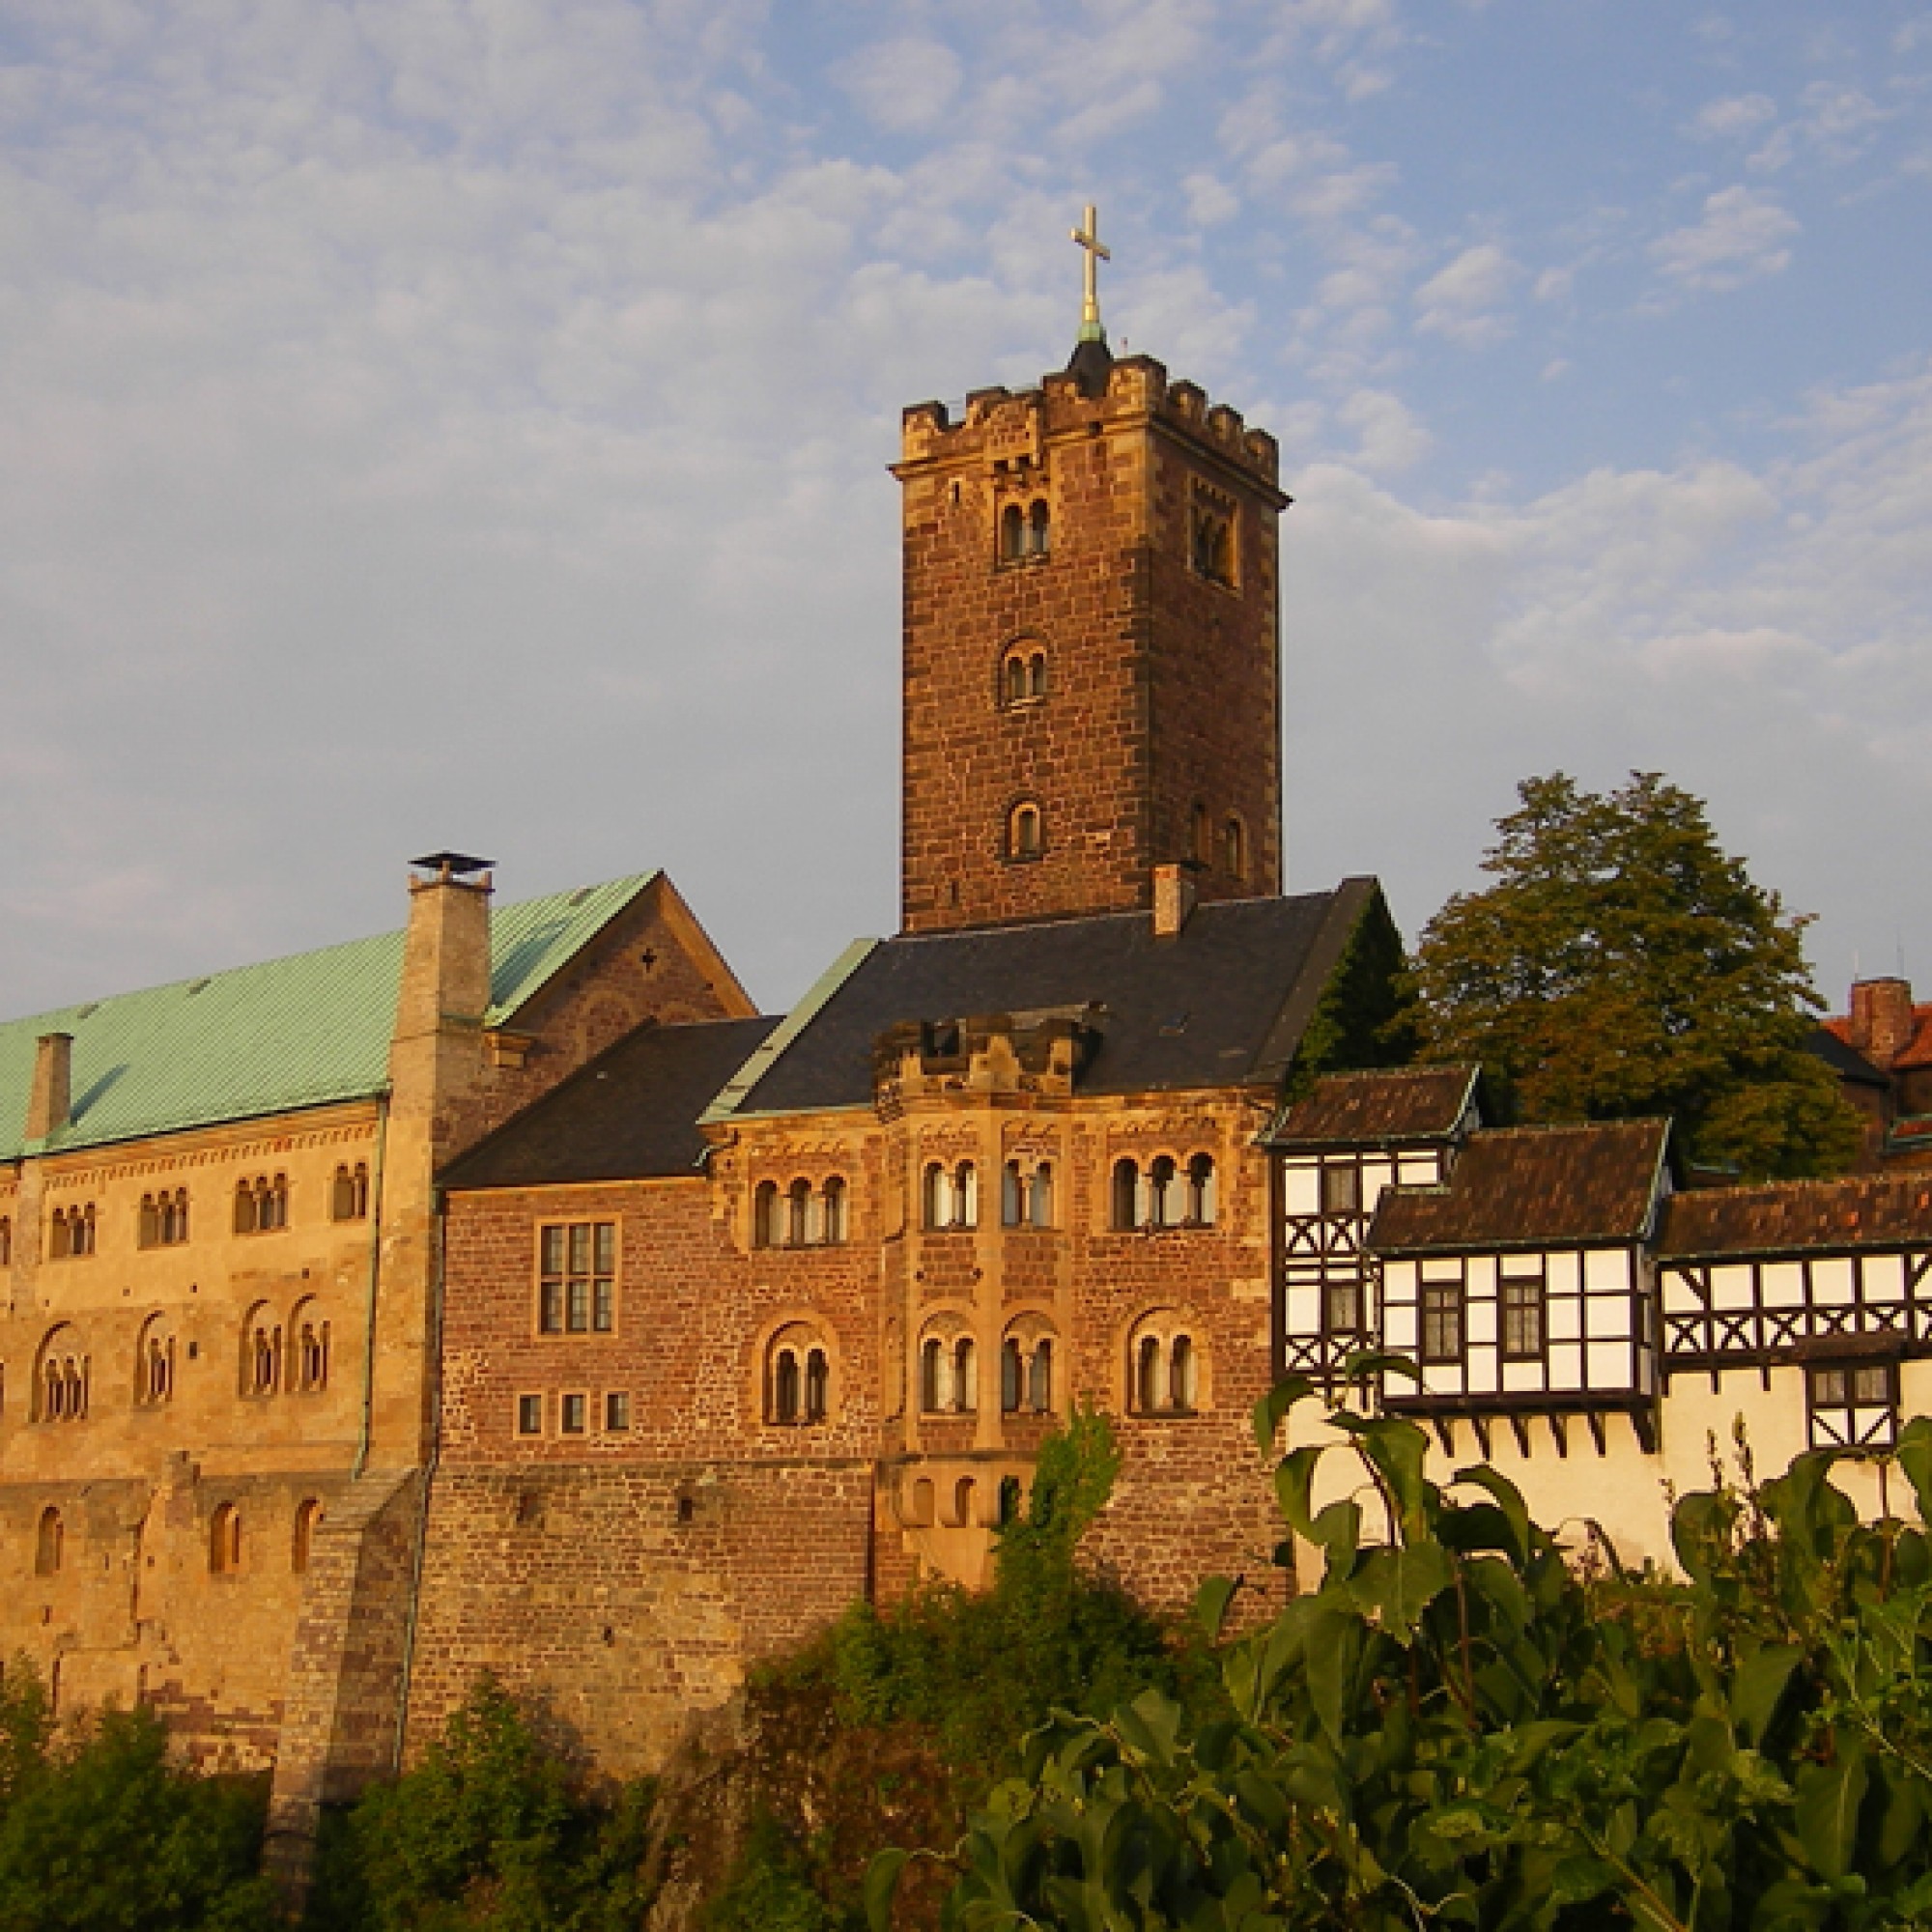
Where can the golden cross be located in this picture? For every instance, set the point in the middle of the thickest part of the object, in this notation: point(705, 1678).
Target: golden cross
point(1088, 235)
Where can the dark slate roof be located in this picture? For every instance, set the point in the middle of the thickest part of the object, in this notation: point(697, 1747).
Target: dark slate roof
point(1843, 1059)
point(1223, 1004)
point(630, 1114)
point(1402, 1103)
point(1880, 1210)
point(1532, 1187)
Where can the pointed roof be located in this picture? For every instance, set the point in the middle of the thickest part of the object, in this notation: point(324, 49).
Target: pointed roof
point(301, 1032)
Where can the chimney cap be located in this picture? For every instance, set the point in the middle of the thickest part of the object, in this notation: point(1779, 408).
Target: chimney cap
point(452, 865)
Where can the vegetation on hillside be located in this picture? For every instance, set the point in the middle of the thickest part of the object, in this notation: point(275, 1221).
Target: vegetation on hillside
point(1623, 964)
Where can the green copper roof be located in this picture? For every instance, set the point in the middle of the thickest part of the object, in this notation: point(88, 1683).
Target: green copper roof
point(261, 1040)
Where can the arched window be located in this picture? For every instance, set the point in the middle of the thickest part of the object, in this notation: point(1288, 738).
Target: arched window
point(1200, 837)
point(1126, 1194)
point(786, 1386)
point(833, 1203)
point(1039, 528)
point(965, 1195)
point(60, 1384)
point(931, 1358)
point(1039, 1201)
point(965, 1375)
point(155, 1362)
point(1015, 679)
point(261, 1353)
point(962, 1502)
point(49, 1544)
point(71, 1232)
point(308, 1520)
point(163, 1219)
point(1013, 533)
point(224, 1541)
point(1234, 847)
point(1023, 837)
point(311, 1335)
point(817, 1384)
point(1040, 1378)
point(1149, 1389)
point(937, 1195)
point(1164, 1202)
point(1010, 1375)
point(262, 1205)
point(767, 1222)
point(1200, 1191)
point(1023, 674)
point(1012, 1196)
point(6, 1240)
point(1036, 674)
point(1181, 1383)
point(348, 1193)
point(798, 1214)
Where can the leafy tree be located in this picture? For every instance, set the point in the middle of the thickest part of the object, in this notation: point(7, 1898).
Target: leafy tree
point(1454, 1728)
point(486, 1834)
point(1623, 964)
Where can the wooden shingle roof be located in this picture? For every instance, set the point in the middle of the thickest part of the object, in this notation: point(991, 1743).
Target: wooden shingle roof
point(1795, 1217)
point(1532, 1187)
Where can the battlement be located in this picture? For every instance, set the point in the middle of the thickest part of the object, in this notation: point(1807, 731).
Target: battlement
point(1001, 426)
point(1039, 1053)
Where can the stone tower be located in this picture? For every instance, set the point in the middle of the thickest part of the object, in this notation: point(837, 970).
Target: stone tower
point(1092, 648)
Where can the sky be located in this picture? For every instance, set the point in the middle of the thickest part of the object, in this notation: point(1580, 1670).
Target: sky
point(464, 423)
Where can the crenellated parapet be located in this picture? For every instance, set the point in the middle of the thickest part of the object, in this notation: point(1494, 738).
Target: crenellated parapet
point(1039, 1056)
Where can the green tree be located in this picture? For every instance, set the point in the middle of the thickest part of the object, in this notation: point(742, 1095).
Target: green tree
point(1623, 964)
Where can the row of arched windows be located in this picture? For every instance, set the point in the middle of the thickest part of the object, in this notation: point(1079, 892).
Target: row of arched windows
point(261, 1206)
point(1164, 1194)
point(227, 1549)
point(1025, 531)
point(801, 1216)
point(948, 1375)
point(949, 1196)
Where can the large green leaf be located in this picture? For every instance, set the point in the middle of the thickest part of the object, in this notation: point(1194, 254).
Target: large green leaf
point(1758, 1686)
point(1827, 1818)
point(1396, 1585)
point(1295, 1488)
point(1272, 1406)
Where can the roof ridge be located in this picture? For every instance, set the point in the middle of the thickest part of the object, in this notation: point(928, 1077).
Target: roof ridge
point(88, 1007)
point(1524, 1129)
point(1806, 1183)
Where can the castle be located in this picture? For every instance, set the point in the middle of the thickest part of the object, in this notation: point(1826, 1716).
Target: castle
point(507, 1293)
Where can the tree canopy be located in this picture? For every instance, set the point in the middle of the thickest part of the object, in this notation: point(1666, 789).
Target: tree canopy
point(1623, 964)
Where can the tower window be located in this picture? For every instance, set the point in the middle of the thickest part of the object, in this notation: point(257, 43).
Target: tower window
point(1234, 847)
point(1023, 674)
point(1026, 530)
point(1025, 838)
point(1210, 536)
point(1201, 836)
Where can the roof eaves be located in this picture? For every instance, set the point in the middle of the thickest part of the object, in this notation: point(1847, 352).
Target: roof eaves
point(765, 1056)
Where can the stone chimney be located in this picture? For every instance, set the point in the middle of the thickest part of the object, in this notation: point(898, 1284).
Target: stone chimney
point(1173, 899)
point(436, 1052)
point(1881, 1026)
point(50, 1100)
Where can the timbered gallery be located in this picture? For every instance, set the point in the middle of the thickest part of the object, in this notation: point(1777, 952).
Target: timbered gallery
point(506, 1293)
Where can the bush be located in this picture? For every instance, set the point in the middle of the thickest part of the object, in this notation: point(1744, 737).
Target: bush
point(99, 1832)
point(488, 1834)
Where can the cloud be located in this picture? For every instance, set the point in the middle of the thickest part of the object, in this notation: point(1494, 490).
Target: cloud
point(1463, 301)
point(1392, 439)
point(1734, 116)
point(902, 85)
point(1744, 234)
point(1209, 201)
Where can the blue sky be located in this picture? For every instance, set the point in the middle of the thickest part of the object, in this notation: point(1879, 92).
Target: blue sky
point(463, 422)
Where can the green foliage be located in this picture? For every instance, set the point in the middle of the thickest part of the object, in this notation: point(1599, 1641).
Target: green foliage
point(1366, 1014)
point(979, 1670)
point(99, 1832)
point(1453, 1727)
point(486, 1834)
point(1622, 964)
point(773, 1887)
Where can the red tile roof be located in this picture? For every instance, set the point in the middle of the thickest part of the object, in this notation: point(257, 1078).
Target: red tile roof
point(1915, 1053)
point(1532, 1187)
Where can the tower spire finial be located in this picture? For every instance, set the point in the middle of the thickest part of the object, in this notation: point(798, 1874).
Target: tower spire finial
point(1087, 236)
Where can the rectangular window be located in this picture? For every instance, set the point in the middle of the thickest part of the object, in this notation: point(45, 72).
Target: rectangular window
point(617, 1412)
point(1523, 1318)
point(1341, 1189)
point(571, 1414)
point(1442, 1322)
point(576, 1278)
point(530, 1415)
point(1853, 1404)
point(1344, 1307)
